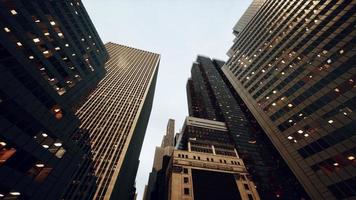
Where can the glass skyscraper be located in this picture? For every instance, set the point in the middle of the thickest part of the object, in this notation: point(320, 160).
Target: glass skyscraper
point(51, 57)
point(211, 96)
point(293, 66)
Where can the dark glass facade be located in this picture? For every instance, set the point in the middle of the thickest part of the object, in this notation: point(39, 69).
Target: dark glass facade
point(51, 57)
point(210, 96)
point(293, 66)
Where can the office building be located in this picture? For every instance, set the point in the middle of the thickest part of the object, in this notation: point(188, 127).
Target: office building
point(155, 189)
point(116, 116)
point(206, 166)
point(210, 96)
point(245, 19)
point(293, 66)
point(247, 16)
point(51, 57)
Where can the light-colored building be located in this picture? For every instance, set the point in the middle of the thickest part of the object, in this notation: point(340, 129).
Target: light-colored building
point(162, 153)
point(205, 165)
point(116, 116)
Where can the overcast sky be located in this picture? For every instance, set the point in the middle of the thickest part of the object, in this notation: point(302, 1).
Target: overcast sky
point(179, 30)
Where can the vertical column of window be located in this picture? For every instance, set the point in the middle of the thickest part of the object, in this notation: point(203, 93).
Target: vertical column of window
point(93, 36)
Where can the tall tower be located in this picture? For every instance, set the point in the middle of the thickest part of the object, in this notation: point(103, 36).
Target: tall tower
point(51, 57)
point(206, 165)
point(116, 116)
point(168, 139)
point(210, 97)
point(293, 66)
point(156, 187)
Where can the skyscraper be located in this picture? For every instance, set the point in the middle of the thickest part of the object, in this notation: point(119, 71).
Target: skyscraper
point(293, 66)
point(51, 57)
point(210, 96)
point(116, 116)
point(155, 189)
point(247, 16)
point(206, 166)
point(245, 19)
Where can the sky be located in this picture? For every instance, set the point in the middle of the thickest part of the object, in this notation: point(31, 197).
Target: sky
point(178, 30)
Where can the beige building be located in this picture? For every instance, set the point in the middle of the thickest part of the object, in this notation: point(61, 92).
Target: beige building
point(205, 165)
point(162, 154)
point(116, 116)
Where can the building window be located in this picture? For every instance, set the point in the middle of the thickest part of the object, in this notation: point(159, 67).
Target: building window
point(250, 197)
point(6, 152)
point(36, 40)
point(186, 191)
point(185, 170)
point(186, 179)
point(13, 12)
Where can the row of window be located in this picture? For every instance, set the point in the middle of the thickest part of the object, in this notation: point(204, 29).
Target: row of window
point(336, 162)
point(329, 140)
point(209, 159)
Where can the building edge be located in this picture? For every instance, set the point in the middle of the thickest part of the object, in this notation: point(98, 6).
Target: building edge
point(123, 187)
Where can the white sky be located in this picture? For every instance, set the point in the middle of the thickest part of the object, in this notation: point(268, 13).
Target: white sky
point(179, 30)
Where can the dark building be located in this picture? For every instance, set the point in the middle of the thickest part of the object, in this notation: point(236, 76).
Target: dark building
point(210, 96)
point(293, 65)
point(51, 57)
point(116, 116)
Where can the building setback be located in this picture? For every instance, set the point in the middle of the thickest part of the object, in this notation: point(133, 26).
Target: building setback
point(116, 116)
point(206, 166)
point(246, 18)
point(51, 57)
point(293, 66)
point(210, 97)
